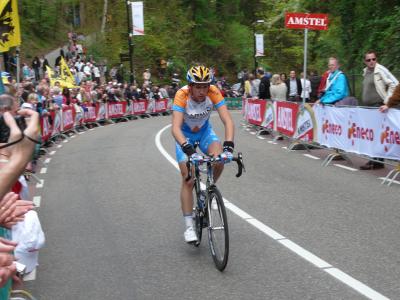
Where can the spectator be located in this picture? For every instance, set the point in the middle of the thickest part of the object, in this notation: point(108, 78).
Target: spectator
point(43, 63)
point(315, 80)
point(378, 86)
point(58, 59)
point(146, 77)
point(263, 91)
point(306, 88)
point(283, 77)
point(294, 88)
point(322, 84)
point(278, 89)
point(336, 87)
point(393, 101)
point(36, 67)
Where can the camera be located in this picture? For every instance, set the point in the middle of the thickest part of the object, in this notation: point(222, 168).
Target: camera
point(5, 130)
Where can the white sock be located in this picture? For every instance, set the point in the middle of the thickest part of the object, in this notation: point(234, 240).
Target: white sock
point(188, 221)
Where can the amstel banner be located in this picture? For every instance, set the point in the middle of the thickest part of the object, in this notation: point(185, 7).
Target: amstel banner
point(255, 111)
point(286, 113)
point(359, 130)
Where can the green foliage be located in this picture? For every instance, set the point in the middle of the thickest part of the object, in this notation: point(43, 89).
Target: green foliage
point(220, 32)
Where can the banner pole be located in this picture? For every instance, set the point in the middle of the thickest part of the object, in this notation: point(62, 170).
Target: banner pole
point(130, 43)
point(305, 64)
point(18, 65)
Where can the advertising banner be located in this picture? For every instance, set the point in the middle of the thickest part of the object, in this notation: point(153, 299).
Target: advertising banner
point(161, 106)
point(68, 118)
point(304, 20)
point(256, 111)
point(89, 115)
point(359, 130)
point(139, 107)
point(100, 111)
point(306, 125)
point(46, 128)
point(259, 44)
point(116, 109)
point(269, 118)
point(286, 113)
point(137, 18)
point(56, 117)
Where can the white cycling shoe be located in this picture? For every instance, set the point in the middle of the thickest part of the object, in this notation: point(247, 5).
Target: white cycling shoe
point(190, 235)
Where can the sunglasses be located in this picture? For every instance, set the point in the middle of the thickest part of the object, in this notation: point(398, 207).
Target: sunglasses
point(370, 59)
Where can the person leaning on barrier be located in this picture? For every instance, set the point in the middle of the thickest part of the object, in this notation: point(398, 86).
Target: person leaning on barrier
point(393, 101)
point(278, 89)
point(337, 86)
point(378, 86)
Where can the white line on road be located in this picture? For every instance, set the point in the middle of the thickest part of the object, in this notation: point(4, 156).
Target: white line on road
point(311, 156)
point(345, 167)
point(253, 132)
point(59, 146)
point(394, 181)
point(65, 141)
point(53, 152)
point(261, 138)
point(36, 200)
point(74, 136)
point(284, 147)
point(82, 132)
point(40, 184)
point(43, 170)
point(273, 143)
point(47, 160)
point(300, 251)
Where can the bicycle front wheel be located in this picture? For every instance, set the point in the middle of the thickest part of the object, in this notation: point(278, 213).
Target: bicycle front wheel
point(218, 233)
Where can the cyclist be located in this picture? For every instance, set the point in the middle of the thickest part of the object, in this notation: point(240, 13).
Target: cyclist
point(192, 108)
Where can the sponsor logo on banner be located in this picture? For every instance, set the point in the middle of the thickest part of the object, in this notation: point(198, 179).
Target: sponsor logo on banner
point(330, 128)
point(269, 116)
point(161, 105)
point(256, 111)
point(115, 109)
point(306, 124)
point(305, 20)
point(139, 107)
point(390, 136)
point(286, 117)
point(90, 113)
point(57, 122)
point(68, 118)
point(101, 114)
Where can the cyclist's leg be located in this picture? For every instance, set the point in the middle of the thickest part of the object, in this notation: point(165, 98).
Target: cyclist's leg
point(187, 186)
point(211, 144)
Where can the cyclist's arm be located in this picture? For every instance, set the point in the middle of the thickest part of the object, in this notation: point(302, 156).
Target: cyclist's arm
point(228, 122)
point(177, 122)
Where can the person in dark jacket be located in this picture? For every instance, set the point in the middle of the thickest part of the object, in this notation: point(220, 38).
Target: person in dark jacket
point(263, 90)
point(294, 88)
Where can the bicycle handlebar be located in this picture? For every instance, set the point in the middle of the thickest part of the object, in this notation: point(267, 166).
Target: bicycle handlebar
point(205, 159)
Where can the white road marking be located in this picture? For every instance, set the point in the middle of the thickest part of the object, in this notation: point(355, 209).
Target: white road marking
point(273, 143)
point(47, 160)
point(36, 200)
point(284, 147)
point(261, 138)
point(300, 251)
point(345, 167)
point(91, 129)
point(253, 132)
point(53, 152)
point(388, 180)
point(82, 132)
point(43, 170)
point(311, 156)
point(65, 141)
point(59, 146)
point(40, 184)
point(74, 136)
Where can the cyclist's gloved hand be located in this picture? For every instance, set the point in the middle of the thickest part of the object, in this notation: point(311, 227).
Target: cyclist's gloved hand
point(188, 149)
point(226, 156)
point(228, 146)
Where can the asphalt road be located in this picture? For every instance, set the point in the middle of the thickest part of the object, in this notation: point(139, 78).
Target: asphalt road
point(110, 210)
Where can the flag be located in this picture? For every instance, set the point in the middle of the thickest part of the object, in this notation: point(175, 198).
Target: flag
point(66, 75)
point(63, 82)
point(10, 35)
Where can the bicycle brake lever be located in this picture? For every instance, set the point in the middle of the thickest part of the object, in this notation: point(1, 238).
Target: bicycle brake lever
point(240, 164)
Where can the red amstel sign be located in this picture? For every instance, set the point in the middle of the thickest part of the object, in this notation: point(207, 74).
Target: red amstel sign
point(309, 21)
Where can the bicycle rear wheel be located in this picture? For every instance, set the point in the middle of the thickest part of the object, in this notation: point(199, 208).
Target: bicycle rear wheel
point(218, 233)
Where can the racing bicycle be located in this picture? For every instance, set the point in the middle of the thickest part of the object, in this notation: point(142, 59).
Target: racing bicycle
point(209, 209)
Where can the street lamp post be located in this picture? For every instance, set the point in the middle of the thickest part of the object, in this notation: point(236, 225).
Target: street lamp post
point(255, 44)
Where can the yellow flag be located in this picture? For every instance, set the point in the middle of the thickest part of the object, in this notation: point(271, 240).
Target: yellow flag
point(51, 75)
point(10, 35)
point(65, 73)
point(61, 80)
